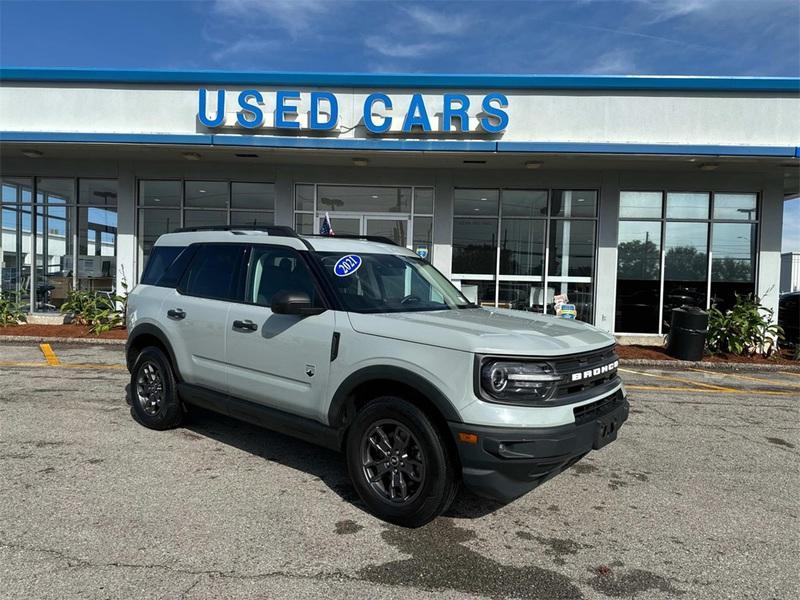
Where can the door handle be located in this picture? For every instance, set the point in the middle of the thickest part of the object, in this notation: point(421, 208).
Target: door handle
point(176, 313)
point(245, 326)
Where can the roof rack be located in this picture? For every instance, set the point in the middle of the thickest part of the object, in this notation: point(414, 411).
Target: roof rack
point(370, 238)
point(277, 230)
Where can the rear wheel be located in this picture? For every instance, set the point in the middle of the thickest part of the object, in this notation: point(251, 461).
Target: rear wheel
point(399, 463)
point(154, 393)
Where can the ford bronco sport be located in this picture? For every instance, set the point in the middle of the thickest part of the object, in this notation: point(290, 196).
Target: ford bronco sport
point(364, 347)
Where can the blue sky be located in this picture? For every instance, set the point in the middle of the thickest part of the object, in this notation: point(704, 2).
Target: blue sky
point(709, 37)
point(684, 37)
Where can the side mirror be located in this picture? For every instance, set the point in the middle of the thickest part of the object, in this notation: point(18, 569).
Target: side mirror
point(294, 303)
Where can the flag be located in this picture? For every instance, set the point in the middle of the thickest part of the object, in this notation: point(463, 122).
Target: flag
point(325, 227)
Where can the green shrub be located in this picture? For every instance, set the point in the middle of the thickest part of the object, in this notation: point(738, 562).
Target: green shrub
point(746, 329)
point(12, 311)
point(99, 311)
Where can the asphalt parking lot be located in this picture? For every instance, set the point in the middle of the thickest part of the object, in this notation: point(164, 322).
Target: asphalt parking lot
point(697, 499)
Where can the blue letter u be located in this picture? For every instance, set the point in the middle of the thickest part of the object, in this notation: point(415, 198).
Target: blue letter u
point(202, 109)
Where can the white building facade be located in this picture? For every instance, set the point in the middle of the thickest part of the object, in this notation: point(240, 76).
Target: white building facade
point(631, 195)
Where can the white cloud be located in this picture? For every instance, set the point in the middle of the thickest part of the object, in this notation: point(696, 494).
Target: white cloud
point(437, 23)
point(245, 45)
point(613, 62)
point(294, 16)
point(400, 50)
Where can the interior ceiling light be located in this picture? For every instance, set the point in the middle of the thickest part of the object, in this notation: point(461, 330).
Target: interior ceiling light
point(360, 162)
point(33, 153)
point(708, 166)
point(533, 164)
point(202, 191)
point(191, 156)
point(375, 196)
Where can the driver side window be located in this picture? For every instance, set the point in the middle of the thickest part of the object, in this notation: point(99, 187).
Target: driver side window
point(275, 269)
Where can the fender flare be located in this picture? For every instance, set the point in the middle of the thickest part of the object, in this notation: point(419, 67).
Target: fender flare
point(152, 330)
point(338, 406)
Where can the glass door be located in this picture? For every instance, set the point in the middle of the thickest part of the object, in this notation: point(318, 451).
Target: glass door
point(393, 228)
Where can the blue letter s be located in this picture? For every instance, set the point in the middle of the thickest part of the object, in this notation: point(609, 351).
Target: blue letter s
point(491, 111)
point(253, 109)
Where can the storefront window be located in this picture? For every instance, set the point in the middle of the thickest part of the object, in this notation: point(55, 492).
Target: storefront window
point(15, 239)
point(165, 206)
point(402, 214)
point(692, 221)
point(97, 234)
point(526, 221)
point(54, 261)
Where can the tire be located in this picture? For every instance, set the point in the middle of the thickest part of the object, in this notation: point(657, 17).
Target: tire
point(428, 475)
point(153, 391)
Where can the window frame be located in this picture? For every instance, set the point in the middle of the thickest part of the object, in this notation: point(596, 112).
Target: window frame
point(238, 291)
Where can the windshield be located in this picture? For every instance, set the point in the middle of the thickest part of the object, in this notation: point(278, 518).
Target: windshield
point(376, 283)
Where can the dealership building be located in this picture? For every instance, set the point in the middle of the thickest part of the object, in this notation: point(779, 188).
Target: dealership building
point(631, 195)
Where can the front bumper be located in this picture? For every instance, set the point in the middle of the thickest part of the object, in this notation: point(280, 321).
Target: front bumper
point(507, 462)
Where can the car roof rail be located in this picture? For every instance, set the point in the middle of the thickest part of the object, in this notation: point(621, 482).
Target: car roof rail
point(370, 238)
point(277, 230)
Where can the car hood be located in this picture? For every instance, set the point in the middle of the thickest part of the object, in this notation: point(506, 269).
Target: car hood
point(486, 331)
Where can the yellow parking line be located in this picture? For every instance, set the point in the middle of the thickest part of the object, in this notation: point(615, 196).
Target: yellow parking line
point(14, 363)
point(746, 378)
point(794, 373)
point(657, 388)
point(49, 355)
point(681, 380)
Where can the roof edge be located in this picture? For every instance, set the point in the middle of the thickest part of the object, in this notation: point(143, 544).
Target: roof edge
point(408, 80)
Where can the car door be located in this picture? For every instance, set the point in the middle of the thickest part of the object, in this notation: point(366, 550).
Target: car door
point(280, 361)
point(196, 313)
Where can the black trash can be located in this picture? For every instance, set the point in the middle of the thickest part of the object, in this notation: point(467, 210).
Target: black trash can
point(687, 334)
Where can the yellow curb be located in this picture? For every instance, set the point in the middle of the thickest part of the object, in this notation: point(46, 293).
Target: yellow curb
point(681, 380)
point(746, 378)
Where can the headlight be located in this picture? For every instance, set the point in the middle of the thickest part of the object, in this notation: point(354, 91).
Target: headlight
point(516, 381)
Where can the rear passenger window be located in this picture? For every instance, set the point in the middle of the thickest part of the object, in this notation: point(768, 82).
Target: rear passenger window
point(278, 269)
point(213, 272)
point(160, 258)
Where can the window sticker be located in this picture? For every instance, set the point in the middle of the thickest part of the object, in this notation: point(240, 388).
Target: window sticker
point(347, 265)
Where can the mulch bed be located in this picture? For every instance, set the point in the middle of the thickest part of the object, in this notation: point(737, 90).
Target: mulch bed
point(62, 331)
point(784, 357)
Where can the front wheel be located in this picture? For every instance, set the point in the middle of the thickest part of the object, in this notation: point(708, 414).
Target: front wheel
point(154, 393)
point(400, 465)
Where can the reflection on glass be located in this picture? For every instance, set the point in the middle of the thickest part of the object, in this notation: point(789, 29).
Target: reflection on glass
point(206, 194)
point(685, 266)
point(153, 223)
point(423, 201)
point(343, 225)
point(571, 248)
point(345, 198)
point(638, 276)
point(304, 197)
point(573, 203)
point(640, 205)
point(735, 207)
point(474, 245)
point(478, 292)
point(160, 193)
point(732, 262)
point(423, 236)
point(15, 237)
point(579, 294)
point(252, 218)
point(304, 224)
point(522, 246)
point(204, 218)
point(524, 203)
point(475, 203)
point(54, 238)
point(682, 205)
point(97, 234)
point(259, 196)
point(393, 229)
point(523, 295)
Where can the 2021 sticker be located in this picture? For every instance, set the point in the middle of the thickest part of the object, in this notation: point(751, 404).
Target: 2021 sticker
point(347, 265)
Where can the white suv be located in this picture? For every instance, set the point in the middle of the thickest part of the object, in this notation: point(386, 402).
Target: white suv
point(361, 346)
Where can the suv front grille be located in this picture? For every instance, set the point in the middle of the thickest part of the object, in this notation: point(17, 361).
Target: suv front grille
point(585, 374)
point(594, 410)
